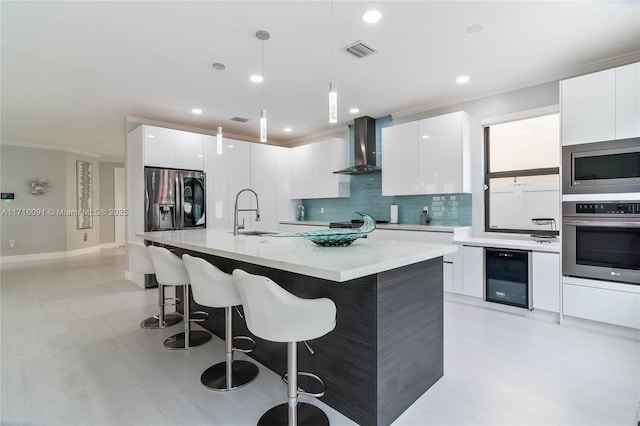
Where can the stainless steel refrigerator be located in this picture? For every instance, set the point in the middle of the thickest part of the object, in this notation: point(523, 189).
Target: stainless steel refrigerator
point(174, 199)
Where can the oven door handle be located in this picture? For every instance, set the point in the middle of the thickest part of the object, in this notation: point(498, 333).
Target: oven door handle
point(622, 224)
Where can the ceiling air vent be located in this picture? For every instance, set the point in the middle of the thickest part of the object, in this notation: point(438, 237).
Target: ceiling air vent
point(239, 119)
point(359, 49)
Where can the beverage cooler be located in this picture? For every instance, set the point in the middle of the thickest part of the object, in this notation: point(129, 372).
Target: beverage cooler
point(508, 277)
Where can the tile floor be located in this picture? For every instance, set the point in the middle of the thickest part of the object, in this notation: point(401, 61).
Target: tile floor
point(72, 354)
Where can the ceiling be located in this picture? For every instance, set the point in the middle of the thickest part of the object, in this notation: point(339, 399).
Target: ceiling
point(72, 71)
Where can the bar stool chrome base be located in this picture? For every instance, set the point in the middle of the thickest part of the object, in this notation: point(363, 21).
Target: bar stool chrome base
point(242, 372)
point(177, 341)
point(154, 322)
point(307, 415)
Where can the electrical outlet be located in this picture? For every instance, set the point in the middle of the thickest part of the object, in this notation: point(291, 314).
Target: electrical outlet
point(85, 236)
point(321, 209)
point(12, 243)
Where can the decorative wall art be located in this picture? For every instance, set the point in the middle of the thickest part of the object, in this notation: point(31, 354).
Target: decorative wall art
point(40, 186)
point(84, 189)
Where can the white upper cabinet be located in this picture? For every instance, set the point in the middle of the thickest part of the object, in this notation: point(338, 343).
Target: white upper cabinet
point(189, 150)
point(443, 158)
point(312, 168)
point(264, 181)
point(301, 172)
point(430, 156)
point(159, 147)
point(173, 148)
point(400, 159)
point(601, 106)
point(329, 156)
point(216, 166)
point(239, 178)
point(628, 101)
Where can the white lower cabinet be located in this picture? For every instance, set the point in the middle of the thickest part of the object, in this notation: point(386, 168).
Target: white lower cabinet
point(546, 281)
point(473, 271)
point(612, 303)
point(448, 276)
point(424, 237)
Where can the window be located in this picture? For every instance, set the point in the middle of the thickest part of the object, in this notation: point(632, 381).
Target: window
point(522, 180)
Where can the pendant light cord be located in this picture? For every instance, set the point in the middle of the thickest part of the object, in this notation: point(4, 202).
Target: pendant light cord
point(263, 74)
point(332, 41)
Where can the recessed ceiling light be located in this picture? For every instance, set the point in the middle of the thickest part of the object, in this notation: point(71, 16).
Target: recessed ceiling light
point(196, 111)
point(354, 110)
point(474, 29)
point(425, 136)
point(462, 79)
point(151, 136)
point(288, 129)
point(371, 16)
point(256, 78)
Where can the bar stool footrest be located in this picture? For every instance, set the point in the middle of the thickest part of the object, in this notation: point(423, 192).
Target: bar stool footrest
point(173, 301)
point(204, 317)
point(312, 376)
point(247, 338)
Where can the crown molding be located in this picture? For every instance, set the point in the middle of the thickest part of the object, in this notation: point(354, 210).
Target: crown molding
point(192, 129)
point(52, 147)
point(341, 132)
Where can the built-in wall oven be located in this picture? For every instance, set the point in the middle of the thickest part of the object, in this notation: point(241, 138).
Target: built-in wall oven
point(601, 240)
point(601, 167)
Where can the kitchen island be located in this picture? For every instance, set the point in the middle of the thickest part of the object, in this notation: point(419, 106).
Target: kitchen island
point(387, 347)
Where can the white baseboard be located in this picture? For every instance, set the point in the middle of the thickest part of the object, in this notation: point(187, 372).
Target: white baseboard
point(47, 256)
point(110, 245)
point(540, 314)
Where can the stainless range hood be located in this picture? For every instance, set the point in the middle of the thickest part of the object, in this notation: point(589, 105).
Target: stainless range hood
point(364, 143)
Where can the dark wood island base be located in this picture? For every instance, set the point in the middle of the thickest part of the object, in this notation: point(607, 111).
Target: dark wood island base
point(386, 349)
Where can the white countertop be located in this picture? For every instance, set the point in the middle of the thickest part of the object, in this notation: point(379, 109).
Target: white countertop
point(518, 243)
point(393, 227)
point(298, 255)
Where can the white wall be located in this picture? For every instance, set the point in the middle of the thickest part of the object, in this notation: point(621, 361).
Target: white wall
point(107, 201)
point(50, 231)
point(33, 234)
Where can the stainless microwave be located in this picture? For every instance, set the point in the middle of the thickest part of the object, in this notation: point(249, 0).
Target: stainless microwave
point(601, 167)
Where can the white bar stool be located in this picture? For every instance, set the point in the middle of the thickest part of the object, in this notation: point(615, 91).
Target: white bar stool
point(142, 264)
point(274, 314)
point(170, 270)
point(212, 287)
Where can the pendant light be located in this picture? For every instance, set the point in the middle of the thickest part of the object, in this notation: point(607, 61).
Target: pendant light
point(262, 36)
point(333, 87)
point(219, 67)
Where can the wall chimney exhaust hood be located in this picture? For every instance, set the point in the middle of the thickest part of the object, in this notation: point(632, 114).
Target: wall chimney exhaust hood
point(364, 144)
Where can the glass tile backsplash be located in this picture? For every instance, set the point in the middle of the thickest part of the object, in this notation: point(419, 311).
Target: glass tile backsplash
point(366, 196)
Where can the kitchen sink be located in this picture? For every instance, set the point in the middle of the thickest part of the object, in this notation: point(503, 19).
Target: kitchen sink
point(257, 233)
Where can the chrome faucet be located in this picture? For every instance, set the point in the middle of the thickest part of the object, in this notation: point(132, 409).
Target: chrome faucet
point(236, 227)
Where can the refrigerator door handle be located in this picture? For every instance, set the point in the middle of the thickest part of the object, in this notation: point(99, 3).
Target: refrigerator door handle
point(147, 219)
point(179, 224)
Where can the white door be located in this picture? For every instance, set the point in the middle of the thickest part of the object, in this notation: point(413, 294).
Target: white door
point(119, 204)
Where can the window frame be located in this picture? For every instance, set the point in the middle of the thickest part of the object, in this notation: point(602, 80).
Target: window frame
point(510, 174)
